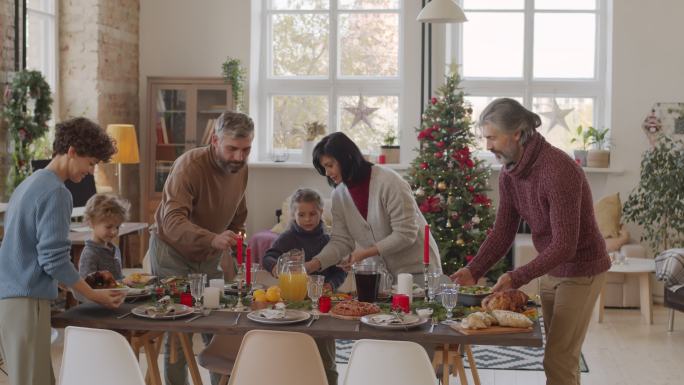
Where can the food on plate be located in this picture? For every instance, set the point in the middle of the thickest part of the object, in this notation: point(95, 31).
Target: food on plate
point(513, 300)
point(137, 279)
point(511, 319)
point(354, 308)
point(164, 306)
point(475, 290)
point(102, 279)
point(478, 320)
point(340, 296)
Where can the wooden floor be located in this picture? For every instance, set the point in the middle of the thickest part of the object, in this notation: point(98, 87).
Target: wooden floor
point(622, 350)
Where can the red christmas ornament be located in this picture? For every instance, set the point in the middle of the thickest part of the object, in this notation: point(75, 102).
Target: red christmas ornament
point(433, 101)
point(440, 144)
point(424, 166)
point(431, 182)
point(439, 154)
point(471, 188)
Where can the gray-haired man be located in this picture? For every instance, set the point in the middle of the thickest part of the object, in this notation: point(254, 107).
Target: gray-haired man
point(203, 207)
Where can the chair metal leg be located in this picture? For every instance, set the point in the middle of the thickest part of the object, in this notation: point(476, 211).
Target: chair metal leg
point(670, 323)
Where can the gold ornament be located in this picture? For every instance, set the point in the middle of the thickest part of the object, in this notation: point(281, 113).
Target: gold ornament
point(442, 186)
point(448, 224)
point(460, 242)
point(450, 200)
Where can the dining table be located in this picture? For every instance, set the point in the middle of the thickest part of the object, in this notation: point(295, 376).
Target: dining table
point(223, 321)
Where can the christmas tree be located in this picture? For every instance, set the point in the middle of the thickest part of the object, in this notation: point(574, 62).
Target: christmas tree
point(449, 183)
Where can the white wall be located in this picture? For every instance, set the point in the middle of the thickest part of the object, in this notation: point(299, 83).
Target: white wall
point(182, 38)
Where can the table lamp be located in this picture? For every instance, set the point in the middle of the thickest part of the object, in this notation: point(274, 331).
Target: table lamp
point(127, 146)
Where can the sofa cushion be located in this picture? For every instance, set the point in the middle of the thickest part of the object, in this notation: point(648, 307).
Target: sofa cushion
point(608, 212)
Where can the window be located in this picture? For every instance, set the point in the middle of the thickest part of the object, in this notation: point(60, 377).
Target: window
point(41, 37)
point(548, 54)
point(329, 61)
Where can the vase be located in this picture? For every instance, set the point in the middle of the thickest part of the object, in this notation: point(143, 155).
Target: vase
point(391, 153)
point(598, 158)
point(307, 150)
point(581, 157)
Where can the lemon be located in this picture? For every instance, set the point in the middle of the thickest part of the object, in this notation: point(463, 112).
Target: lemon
point(273, 294)
point(259, 292)
point(260, 297)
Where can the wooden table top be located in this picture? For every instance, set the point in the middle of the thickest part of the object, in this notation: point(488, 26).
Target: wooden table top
point(221, 322)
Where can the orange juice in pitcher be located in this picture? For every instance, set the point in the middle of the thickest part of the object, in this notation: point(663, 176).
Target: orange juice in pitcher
point(292, 281)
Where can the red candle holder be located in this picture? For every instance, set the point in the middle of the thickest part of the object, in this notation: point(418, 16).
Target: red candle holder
point(324, 304)
point(401, 302)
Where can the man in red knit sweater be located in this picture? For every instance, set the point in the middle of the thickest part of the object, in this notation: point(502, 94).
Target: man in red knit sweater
point(543, 186)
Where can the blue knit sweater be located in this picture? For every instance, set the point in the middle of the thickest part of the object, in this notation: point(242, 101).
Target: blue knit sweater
point(34, 254)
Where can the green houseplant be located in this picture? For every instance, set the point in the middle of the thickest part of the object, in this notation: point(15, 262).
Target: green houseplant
point(657, 203)
point(599, 155)
point(583, 138)
point(389, 149)
point(310, 132)
point(235, 74)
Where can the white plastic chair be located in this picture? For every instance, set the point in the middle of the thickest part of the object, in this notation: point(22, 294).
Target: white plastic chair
point(98, 356)
point(275, 357)
point(388, 363)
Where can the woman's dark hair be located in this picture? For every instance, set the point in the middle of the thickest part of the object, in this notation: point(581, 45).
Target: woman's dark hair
point(353, 166)
point(86, 137)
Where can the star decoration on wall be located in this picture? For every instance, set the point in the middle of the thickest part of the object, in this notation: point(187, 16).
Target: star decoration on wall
point(361, 113)
point(557, 116)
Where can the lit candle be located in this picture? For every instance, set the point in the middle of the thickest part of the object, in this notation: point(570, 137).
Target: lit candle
point(239, 249)
point(248, 266)
point(426, 246)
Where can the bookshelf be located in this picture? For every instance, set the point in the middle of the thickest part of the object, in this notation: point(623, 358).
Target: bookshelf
point(180, 116)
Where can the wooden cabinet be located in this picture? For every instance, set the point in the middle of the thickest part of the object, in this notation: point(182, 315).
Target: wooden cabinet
point(180, 116)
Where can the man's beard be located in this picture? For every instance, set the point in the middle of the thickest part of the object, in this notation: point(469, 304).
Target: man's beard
point(230, 166)
point(506, 159)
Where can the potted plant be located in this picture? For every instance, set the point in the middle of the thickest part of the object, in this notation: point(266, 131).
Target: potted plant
point(658, 200)
point(310, 132)
point(582, 137)
point(599, 156)
point(389, 149)
point(235, 73)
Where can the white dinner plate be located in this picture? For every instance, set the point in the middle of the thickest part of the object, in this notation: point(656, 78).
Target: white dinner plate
point(291, 317)
point(409, 321)
point(180, 311)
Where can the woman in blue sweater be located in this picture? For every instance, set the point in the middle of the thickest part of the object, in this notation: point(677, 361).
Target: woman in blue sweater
point(34, 254)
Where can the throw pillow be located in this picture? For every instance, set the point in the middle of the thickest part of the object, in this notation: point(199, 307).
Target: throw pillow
point(608, 212)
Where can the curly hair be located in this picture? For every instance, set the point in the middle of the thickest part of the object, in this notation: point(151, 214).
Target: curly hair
point(86, 137)
point(106, 206)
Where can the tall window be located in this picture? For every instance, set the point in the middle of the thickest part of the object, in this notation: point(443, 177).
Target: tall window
point(41, 38)
point(548, 54)
point(332, 61)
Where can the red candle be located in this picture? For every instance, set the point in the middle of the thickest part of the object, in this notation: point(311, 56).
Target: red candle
point(426, 246)
point(239, 249)
point(248, 266)
point(382, 159)
point(324, 304)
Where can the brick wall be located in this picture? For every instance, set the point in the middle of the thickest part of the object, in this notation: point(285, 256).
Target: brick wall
point(6, 67)
point(99, 72)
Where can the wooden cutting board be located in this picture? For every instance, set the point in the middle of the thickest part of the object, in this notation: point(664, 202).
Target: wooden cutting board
point(490, 330)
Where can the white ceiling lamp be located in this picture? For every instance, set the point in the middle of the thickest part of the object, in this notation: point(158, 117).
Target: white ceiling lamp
point(441, 11)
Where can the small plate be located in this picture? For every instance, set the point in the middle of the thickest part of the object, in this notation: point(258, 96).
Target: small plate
point(180, 311)
point(410, 321)
point(291, 317)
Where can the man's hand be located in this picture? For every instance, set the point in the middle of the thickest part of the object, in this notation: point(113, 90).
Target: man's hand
point(504, 283)
point(224, 240)
point(312, 266)
point(463, 277)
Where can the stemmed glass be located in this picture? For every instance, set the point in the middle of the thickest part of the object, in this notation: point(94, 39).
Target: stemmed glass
point(314, 289)
point(197, 282)
point(449, 295)
point(433, 285)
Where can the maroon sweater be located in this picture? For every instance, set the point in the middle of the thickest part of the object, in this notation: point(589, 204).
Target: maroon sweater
point(551, 193)
point(359, 193)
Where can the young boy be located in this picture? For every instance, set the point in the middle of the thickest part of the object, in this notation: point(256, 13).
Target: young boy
point(34, 254)
point(104, 214)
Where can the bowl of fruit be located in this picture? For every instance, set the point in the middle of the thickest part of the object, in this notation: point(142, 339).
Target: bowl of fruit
point(473, 295)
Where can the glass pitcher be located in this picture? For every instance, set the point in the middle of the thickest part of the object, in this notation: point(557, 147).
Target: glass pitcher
point(294, 255)
point(292, 280)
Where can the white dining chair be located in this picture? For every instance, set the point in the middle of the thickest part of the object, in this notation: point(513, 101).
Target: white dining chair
point(98, 356)
point(277, 357)
point(219, 356)
point(388, 363)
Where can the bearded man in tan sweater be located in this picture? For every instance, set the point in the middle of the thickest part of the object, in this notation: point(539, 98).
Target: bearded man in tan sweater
point(202, 210)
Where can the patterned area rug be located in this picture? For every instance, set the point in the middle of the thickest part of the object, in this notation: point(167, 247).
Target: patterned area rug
point(486, 357)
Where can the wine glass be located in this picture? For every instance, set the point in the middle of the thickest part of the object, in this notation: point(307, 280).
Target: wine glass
point(314, 289)
point(197, 282)
point(433, 285)
point(449, 294)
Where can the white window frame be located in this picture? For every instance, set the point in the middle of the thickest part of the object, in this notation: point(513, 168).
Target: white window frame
point(49, 67)
point(528, 87)
point(332, 86)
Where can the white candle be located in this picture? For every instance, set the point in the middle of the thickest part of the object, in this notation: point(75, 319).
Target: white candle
point(211, 297)
point(218, 283)
point(405, 285)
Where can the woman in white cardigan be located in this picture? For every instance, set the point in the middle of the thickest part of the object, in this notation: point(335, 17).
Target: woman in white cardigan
point(372, 207)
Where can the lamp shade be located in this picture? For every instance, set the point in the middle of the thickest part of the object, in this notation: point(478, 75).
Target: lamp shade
point(441, 11)
point(126, 143)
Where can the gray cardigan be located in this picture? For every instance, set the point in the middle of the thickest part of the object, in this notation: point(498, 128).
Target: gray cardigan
point(394, 224)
